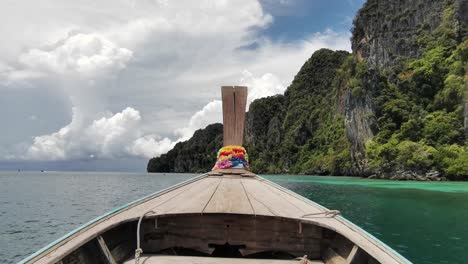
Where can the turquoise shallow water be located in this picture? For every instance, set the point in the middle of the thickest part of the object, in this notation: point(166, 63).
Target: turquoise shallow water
point(416, 185)
point(423, 221)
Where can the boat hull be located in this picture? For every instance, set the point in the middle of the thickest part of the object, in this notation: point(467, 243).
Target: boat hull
point(221, 215)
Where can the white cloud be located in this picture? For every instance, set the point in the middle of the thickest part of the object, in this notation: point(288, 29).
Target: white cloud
point(264, 86)
point(151, 146)
point(161, 61)
point(114, 136)
point(89, 54)
point(209, 114)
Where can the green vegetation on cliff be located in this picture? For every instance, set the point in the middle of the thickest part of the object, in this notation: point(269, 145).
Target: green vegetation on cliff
point(197, 154)
point(420, 107)
point(301, 132)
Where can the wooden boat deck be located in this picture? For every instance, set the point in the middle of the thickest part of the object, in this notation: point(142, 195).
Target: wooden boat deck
point(226, 194)
point(159, 259)
point(233, 195)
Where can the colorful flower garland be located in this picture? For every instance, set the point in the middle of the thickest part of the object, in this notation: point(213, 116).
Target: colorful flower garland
point(232, 157)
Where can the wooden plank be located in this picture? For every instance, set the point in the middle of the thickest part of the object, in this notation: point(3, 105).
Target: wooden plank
point(230, 171)
point(293, 201)
point(342, 245)
point(240, 102)
point(258, 208)
point(259, 192)
point(229, 115)
point(160, 259)
point(105, 250)
point(230, 197)
point(193, 200)
point(332, 257)
point(352, 254)
point(257, 234)
point(234, 102)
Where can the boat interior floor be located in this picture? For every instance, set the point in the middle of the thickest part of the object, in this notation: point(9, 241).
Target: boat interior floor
point(163, 259)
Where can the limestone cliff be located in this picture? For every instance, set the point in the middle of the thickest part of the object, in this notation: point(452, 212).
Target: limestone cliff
point(385, 31)
point(386, 36)
point(198, 154)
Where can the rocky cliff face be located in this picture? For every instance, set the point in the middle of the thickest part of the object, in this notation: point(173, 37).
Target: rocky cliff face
point(385, 31)
point(398, 103)
point(360, 124)
point(196, 155)
point(286, 133)
point(386, 35)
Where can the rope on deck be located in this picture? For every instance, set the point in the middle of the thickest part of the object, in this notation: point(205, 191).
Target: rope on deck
point(139, 251)
point(331, 213)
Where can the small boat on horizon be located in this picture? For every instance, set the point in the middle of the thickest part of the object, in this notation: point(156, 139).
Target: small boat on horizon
point(228, 215)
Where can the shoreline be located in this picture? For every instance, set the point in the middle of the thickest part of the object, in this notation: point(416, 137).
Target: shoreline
point(431, 176)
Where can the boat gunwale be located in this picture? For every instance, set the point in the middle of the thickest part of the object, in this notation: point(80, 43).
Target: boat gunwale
point(103, 217)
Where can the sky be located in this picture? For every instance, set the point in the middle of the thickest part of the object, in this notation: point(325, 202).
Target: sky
point(106, 85)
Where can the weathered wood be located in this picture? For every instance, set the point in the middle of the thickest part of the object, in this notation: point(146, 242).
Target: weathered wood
point(121, 241)
point(215, 173)
point(229, 197)
point(262, 194)
point(234, 103)
point(255, 233)
point(105, 250)
point(240, 101)
point(332, 257)
point(191, 198)
point(352, 254)
point(148, 259)
point(342, 246)
point(230, 171)
point(241, 172)
point(89, 253)
point(229, 114)
point(362, 257)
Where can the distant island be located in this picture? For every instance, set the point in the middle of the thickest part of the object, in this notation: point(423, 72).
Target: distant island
point(396, 108)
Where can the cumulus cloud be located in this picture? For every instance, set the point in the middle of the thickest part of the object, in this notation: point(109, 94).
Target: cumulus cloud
point(114, 136)
point(264, 86)
point(209, 114)
point(80, 53)
point(162, 62)
point(151, 146)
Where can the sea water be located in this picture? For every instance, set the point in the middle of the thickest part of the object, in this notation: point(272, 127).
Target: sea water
point(424, 221)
